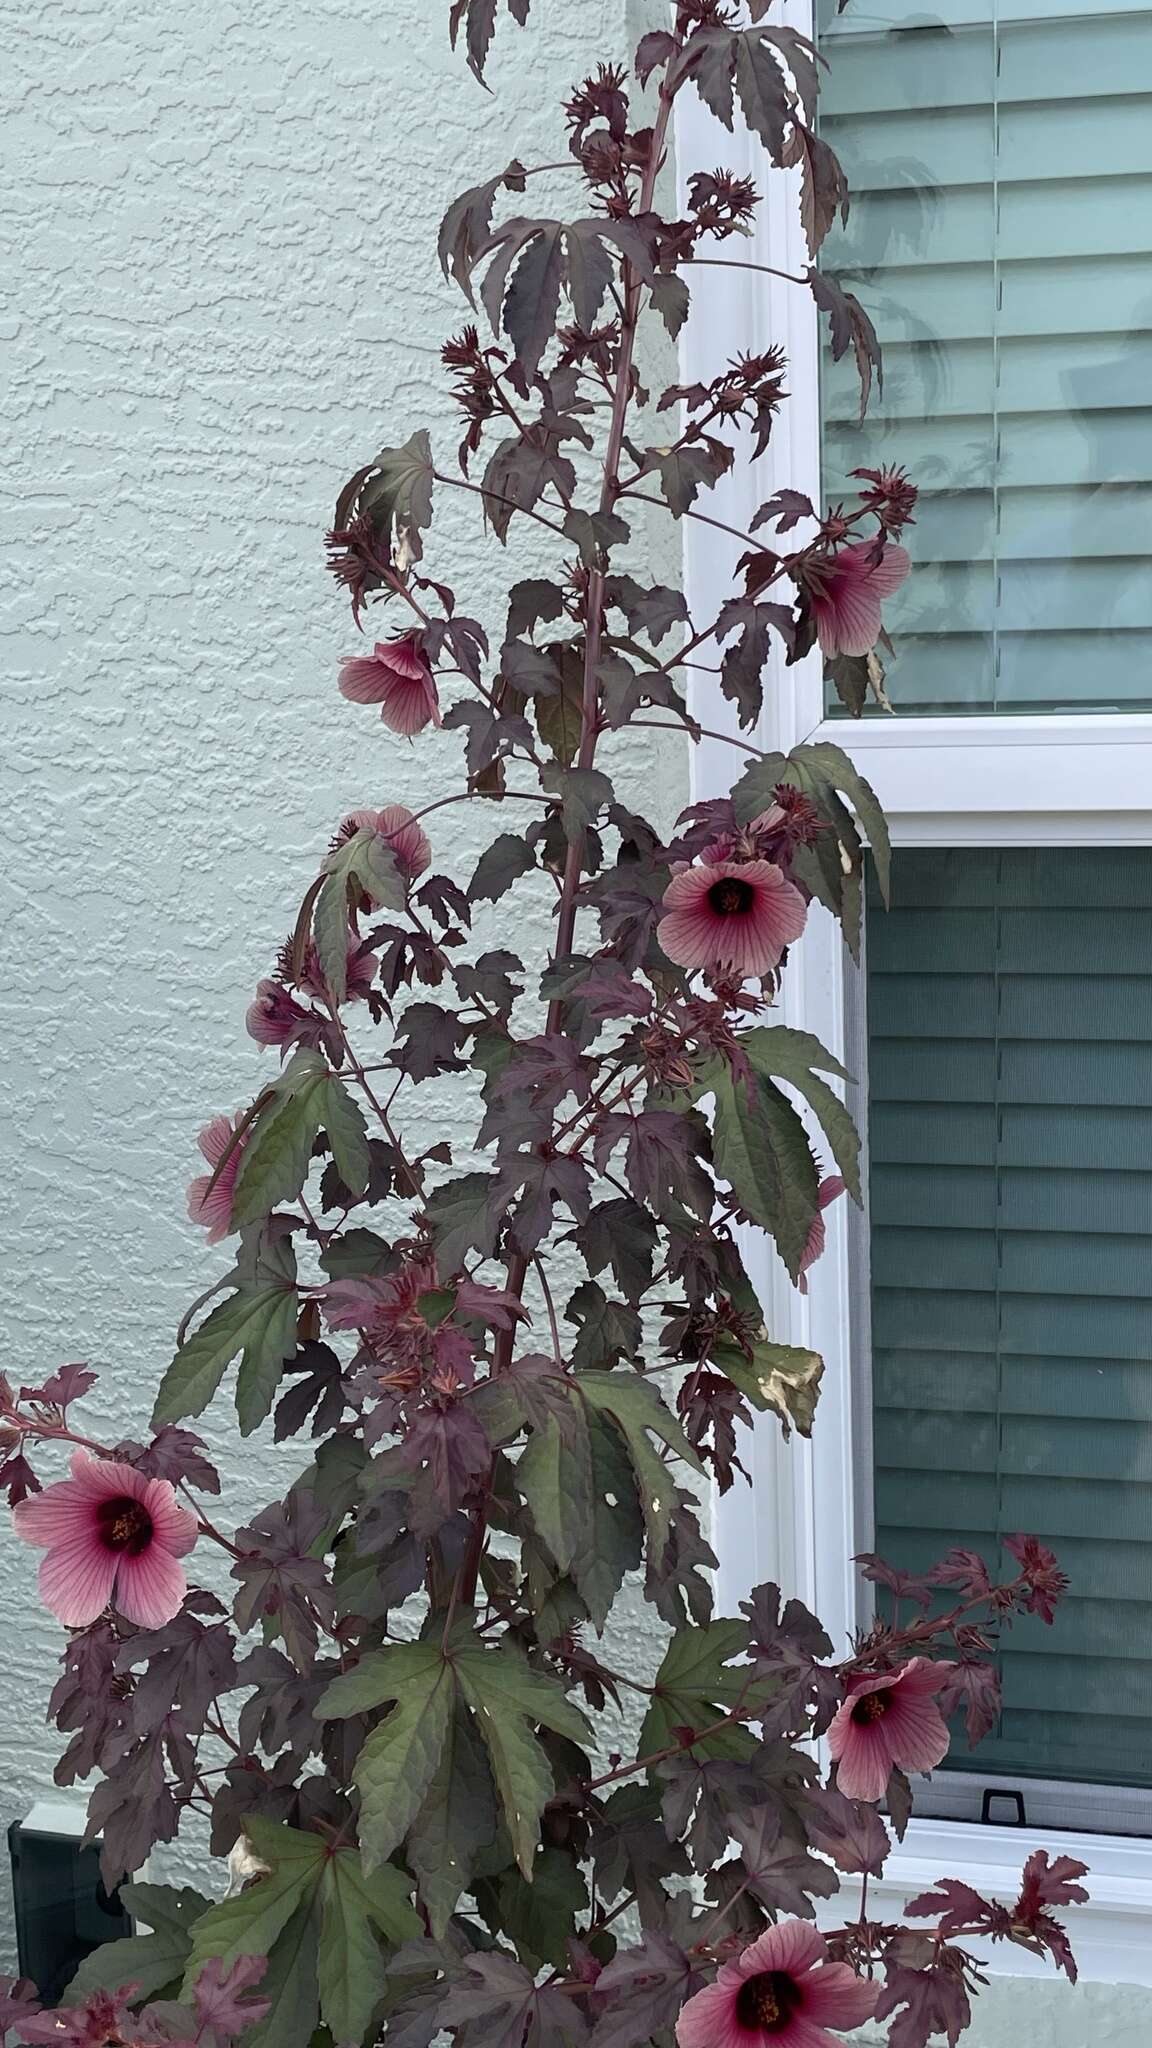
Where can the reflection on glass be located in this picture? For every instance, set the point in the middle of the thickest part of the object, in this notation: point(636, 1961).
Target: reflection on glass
point(1000, 158)
point(1010, 1135)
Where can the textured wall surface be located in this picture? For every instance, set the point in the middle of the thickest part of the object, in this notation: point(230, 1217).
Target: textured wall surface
point(219, 296)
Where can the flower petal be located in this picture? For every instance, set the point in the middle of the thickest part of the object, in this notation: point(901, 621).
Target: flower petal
point(709, 2020)
point(834, 1996)
point(76, 1581)
point(150, 1588)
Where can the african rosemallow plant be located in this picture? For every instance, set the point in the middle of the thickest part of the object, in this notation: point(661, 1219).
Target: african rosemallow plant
point(518, 1364)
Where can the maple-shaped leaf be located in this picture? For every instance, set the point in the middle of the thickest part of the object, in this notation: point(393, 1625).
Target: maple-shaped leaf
point(280, 1579)
point(622, 1236)
point(495, 2003)
point(542, 1184)
point(926, 1986)
point(133, 1806)
point(503, 863)
point(317, 1902)
point(465, 231)
point(786, 509)
point(849, 328)
point(685, 472)
point(518, 473)
point(642, 1991)
point(177, 1455)
point(975, 1686)
point(761, 1150)
point(395, 492)
point(478, 20)
point(780, 1872)
point(700, 1793)
point(799, 1060)
point(699, 1680)
point(466, 1216)
point(450, 1443)
point(849, 1831)
point(188, 1665)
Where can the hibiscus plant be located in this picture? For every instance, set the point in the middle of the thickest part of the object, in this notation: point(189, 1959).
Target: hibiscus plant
point(457, 1806)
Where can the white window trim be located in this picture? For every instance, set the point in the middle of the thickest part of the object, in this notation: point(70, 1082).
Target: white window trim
point(1075, 780)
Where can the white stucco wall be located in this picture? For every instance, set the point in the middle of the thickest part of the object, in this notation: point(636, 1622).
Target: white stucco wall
point(219, 295)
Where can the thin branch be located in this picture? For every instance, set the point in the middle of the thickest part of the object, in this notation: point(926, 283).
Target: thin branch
point(457, 483)
point(730, 263)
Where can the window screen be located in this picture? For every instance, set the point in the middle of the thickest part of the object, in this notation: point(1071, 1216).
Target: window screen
point(1010, 1082)
point(1000, 158)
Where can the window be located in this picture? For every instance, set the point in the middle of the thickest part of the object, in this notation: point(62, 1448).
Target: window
point(1009, 1058)
point(1000, 159)
point(1020, 759)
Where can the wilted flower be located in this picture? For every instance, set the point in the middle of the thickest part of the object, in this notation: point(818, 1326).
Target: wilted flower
point(397, 676)
point(890, 1722)
point(112, 1535)
point(408, 841)
point(731, 917)
point(275, 1018)
point(780, 1992)
point(209, 1197)
point(829, 1189)
point(846, 590)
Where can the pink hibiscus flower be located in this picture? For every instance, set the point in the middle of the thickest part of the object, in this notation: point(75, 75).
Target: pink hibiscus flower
point(397, 676)
point(112, 1536)
point(210, 1202)
point(888, 1723)
point(731, 917)
point(394, 823)
point(781, 1993)
point(846, 591)
point(827, 1192)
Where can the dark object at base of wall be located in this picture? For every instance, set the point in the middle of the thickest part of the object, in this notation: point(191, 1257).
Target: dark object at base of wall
point(62, 1909)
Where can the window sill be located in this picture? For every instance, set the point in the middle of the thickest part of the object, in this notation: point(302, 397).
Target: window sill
point(1111, 1935)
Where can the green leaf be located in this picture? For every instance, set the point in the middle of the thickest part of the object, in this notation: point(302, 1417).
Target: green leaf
point(791, 1056)
point(347, 1135)
point(249, 1924)
point(373, 862)
point(636, 1408)
point(316, 1915)
point(356, 1252)
point(559, 717)
point(354, 1910)
point(399, 489)
point(761, 1149)
point(508, 1697)
point(696, 1686)
point(756, 790)
point(277, 1157)
point(397, 1762)
point(613, 1539)
point(538, 1915)
point(465, 1216)
point(555, 1477)
point(290, 1983)
point(583, 793)
point(780, 1376)
point(330, 932)
point(457, 1821)
point(153, 1962)
point(262, 1325)
point(829, 767)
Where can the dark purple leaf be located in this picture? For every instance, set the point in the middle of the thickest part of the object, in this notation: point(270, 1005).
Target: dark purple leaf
point(428, 1042)
point(641, 1991)
point(496, 2004)
point(931, 1999)
point(454, 1447)
point(188, 1667)
point(544, 1183)
point(280, 1580)
point(174, 1454)
point(786, 508)
point(652, 51)
point(847, 1830)
point(781, 1873)
point(685, 472)
point(504, 862)
point(850, 329)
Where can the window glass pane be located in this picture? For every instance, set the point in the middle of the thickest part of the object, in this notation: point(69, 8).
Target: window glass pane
point(1010, 1082)
point(1000, 158)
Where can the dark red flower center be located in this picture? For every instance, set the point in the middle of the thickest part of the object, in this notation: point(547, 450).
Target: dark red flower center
point(124, 1524)
point(731, 897)
point(872, 1707)
point(767, 2001)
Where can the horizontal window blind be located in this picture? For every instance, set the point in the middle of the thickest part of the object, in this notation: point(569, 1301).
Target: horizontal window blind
point(1000, 159)
point(1010, 1084)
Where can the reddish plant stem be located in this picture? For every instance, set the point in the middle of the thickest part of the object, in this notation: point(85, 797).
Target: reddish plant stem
point(517, 1269)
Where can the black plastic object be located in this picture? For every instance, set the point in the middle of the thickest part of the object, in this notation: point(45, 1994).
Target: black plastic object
point(62, 1909)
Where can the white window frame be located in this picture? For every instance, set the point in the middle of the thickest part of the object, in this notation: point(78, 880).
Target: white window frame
point(983, 781)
